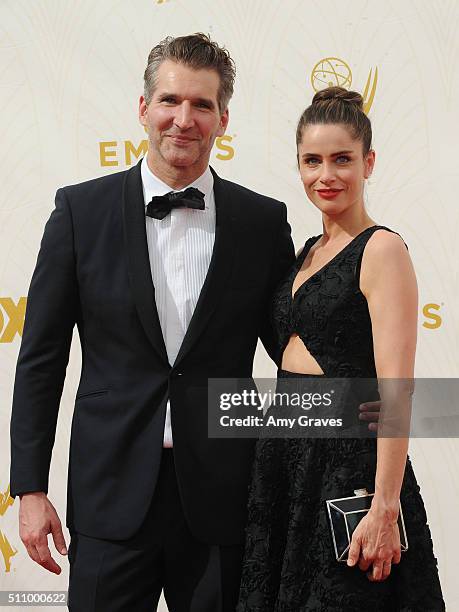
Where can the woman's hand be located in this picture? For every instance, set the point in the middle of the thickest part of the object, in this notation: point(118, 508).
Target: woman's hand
point(376, 541)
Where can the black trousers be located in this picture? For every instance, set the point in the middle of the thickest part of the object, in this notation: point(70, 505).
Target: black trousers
point(129, 575)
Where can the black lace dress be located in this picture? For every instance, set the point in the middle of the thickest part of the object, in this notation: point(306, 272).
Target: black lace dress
point(289, 563)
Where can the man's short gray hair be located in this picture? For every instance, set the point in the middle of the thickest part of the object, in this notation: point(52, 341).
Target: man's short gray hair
point(197, 51)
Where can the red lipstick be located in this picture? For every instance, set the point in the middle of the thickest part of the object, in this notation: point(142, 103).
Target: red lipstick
point(329, 194)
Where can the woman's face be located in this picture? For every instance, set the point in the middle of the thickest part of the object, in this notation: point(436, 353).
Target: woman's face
point(332, 167)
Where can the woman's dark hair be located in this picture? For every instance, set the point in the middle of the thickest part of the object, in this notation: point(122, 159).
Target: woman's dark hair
point(336, 105)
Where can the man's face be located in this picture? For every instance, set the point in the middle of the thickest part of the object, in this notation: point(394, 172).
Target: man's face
point(183, 118)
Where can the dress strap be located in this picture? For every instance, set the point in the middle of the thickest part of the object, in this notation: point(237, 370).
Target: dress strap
point(305, 250)
point(360, 247)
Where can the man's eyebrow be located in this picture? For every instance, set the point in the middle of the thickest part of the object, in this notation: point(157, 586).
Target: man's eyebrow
point(165, 95)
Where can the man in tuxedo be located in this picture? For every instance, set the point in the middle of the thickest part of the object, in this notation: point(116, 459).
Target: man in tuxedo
point(167, 270)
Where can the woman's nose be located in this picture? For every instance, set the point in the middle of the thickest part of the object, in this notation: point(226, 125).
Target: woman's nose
point(327, 174)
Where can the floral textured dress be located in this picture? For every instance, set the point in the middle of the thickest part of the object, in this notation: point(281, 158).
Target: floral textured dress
point(289, 563)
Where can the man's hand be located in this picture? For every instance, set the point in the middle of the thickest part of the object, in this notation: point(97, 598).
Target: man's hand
point(38, 518)
point(369, 411)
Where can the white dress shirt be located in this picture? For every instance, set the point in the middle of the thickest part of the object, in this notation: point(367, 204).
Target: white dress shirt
point(180, 249)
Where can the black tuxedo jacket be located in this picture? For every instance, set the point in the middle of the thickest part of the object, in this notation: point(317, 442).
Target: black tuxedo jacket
point(93, 271)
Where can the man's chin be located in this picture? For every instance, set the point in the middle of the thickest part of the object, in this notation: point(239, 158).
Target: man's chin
point(183, 160)
point(182, 163)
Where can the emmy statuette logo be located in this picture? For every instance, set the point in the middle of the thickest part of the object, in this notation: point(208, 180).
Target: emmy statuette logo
point(335, 72)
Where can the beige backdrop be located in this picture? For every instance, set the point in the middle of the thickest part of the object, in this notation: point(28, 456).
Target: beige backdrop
point(70, 79)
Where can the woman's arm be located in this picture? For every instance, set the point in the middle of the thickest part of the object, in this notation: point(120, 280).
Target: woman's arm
point(389, 284)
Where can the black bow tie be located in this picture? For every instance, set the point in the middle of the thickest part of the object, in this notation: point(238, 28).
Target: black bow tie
point(161, 206)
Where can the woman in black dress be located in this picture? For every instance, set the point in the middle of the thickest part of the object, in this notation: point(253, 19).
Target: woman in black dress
point(347, 309)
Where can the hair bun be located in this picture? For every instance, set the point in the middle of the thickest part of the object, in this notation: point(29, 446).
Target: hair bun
point(338, 93)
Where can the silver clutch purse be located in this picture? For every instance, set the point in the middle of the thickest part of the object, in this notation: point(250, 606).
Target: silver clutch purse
point(346, 513)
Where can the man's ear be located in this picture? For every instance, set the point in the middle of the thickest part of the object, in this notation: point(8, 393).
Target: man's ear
point(224, 119)
point(142, 111)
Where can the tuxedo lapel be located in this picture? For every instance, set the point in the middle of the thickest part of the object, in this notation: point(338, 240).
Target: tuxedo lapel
point(219, 268)
point(138, 260)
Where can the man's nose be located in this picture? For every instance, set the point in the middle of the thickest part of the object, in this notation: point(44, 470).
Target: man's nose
point(183, 116)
